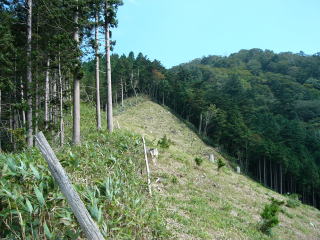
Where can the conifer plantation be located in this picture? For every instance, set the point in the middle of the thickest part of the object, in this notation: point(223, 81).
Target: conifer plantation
point(259, 107)
point(254, 110)
point(41, 62)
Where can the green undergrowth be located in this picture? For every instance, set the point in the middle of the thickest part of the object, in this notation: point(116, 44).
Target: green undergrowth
point(106, 171)
point(201, 202)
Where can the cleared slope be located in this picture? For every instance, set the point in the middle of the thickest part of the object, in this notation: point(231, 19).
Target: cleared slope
point(199, 202)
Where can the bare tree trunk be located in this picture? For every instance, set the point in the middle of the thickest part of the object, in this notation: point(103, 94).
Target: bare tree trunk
point(281, 187)
point(76, 89)
point(271, 186)
point(206, 122)
point(61, 105)
point(0, 121)
point(22, 100)
point(10, 125)
point(98, 110)
point(264, 171)
point(200, 124)
point(108, 67)
point(121, 92)
point(46, 96)
point(163, 98)
point(276, 179)
point(260, 179)
point(132, 84)
point(246, 158)
point(313, 198)
point(36, 127)
point(36, 122)
point(55, 97)
point(29, 75)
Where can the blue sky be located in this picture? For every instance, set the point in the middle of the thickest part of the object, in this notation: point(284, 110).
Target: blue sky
point(177, 31)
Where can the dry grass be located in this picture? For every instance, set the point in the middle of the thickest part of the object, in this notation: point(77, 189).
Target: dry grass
point(201, 203)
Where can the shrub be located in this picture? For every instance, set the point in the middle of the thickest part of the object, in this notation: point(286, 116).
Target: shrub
point(293, 201)
point(198, 161)
point(221, 163)
point(174, 179)
point(164, 142)
point(270, 216)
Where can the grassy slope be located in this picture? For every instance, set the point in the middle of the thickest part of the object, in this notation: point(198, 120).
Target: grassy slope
point(196, 202)
point(201, 203)
point(105, 170)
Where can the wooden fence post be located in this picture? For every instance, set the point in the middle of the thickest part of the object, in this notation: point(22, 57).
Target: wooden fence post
point(87, 224)
point(147, 165)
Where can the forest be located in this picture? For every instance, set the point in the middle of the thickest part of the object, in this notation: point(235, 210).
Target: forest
point(259, 107)
point(42, 46)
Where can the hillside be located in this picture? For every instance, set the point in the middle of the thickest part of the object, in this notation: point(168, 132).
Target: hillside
point(189, 201)
point(260, 107)
point(105, 170)
point(201, 203)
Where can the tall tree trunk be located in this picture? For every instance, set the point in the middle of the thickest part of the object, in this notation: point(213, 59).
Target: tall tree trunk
point(116, 98)
point(22, 100)
point(121, 92)
point(264, 171)
point(36, 122)
point(98, 108)
point(55, 97)
point(276, 179)
point(76, 87)
point(281, 180)
point(200, 124)
point(10, 125)
point(36, 127)
point(46, 95)
point(260, 179)
point(0, 121)
point(132, 84)
point(206, 121)
point(163, 98)
point(29, 75)
point(108, 67)
point(61, 104)
point(270, 173)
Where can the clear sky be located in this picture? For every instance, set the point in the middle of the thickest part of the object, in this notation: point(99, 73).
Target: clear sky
point(177, 31)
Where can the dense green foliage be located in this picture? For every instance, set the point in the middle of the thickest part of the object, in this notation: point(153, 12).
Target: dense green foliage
point(270, 217)
point(265, 113)
point(164, 142)
point(260, 107)
point(221, 163)
point(114, 191)
point(130, 75)
point(53, 59)
point(198, 161)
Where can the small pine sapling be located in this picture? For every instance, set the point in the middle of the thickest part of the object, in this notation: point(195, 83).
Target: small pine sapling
point(164, 142)
point(198, 161)
point(270, 216)
point(221, 164)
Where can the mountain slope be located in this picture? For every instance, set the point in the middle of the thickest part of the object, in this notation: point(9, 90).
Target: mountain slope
point(200, 202)
point(190, 202)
